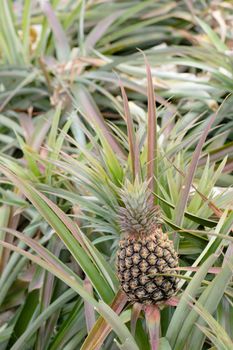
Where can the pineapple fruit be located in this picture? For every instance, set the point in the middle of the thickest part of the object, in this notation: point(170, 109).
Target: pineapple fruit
point(145, 253)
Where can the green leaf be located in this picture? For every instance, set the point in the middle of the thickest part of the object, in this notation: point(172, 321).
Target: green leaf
point(26, 28)
point(50, 263)
point(210, 299)
point(4, 218)
point(9, 40)
point(60, 39)
point(164, 344)
point(182, 311)
point(66, 328)
point(216, 332)
point(25, 317)
point(101, 329)
point(67, 231)
point(123, 333)
point(39, 320)
point(194, 218)
point(218, 43)
point(185, 189)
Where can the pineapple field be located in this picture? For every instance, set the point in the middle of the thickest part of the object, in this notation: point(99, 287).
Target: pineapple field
point(116, 171)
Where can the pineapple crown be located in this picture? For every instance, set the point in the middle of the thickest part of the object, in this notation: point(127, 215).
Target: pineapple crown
point(139, 216)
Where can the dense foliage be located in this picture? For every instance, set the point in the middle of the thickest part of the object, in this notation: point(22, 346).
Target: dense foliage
point(77, 118)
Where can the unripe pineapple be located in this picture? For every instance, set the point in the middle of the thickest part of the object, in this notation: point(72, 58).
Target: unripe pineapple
point(145, 253)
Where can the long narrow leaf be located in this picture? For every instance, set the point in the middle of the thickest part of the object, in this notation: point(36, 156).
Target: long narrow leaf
point(185, 189)
point(182, 309)
point(152, 151)
point(61, 42)
point(66, 230)
point(71, 280)
point(134, 157)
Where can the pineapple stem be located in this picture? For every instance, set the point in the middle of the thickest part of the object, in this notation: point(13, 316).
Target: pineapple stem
point(152, 314)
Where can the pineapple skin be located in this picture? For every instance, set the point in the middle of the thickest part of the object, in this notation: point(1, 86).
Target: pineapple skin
point(140, 261)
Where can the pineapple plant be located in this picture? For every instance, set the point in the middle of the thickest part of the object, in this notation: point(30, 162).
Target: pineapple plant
point(145, 253)
point(68, 316)
point(115, 193)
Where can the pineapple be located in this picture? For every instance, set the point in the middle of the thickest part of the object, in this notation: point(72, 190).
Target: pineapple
point(145, 252)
